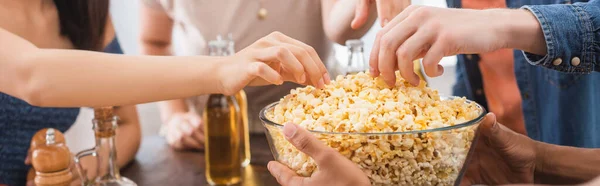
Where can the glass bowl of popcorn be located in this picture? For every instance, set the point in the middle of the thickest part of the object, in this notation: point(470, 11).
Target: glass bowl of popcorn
point(398, 136)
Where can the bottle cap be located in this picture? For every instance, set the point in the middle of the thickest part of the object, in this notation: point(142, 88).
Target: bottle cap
point(354, 43)
point(103, 113)
point(218, 43)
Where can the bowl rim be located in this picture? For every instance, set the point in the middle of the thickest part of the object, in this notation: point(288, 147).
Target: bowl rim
point(478, 119)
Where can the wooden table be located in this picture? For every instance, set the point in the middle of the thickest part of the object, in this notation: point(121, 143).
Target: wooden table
point(157, 164)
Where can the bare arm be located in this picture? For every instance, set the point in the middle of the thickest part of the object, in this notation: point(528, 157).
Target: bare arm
point(45, 77)
point(566, 165)
point(128, 134)
point(337, 17)
point(156, 33)
point(72, 78)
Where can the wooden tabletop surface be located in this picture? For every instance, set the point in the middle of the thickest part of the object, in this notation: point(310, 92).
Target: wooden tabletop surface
point(158, 164)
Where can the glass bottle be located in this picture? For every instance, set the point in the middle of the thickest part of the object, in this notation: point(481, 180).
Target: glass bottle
point(356, 57)
point(222, 145)
point(419, 70)
point(105, 151)
point(227, 48)
point(240, 98)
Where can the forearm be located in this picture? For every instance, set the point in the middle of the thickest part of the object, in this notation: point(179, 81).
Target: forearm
point(566, 165)
point(162, 47)
point(337, 16)
point(64, 78)
point(128, 136)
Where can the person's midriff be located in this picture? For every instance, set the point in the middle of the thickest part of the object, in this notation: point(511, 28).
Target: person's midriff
point(499, 81)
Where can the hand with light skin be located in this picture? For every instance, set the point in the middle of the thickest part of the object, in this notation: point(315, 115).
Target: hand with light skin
point(184, 131)
point(334, 169)
point(432, 33)
point(272, 60)
point(386, 11)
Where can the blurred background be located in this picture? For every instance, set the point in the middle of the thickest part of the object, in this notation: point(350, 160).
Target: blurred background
point(125, 17)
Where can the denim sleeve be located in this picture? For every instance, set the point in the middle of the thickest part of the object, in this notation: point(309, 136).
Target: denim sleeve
point(572, 34)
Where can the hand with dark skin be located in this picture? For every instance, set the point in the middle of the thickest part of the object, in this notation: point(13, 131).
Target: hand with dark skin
point(501, 156)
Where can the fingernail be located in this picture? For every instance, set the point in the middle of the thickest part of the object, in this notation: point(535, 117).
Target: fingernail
point(321, 84)
point(388, 81)
point(415, 83)
point(327, 78)
point(289, 130)
point(269, 166)
point(440, 70)
point(495, 124)
point(385, 22)
point(303, 78)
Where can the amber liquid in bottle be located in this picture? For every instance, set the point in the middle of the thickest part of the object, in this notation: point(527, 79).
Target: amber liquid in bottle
point(240, 97)
point(223, 162)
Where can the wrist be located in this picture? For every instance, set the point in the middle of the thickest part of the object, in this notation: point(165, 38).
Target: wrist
point(216, 74)
point(521, 30)
point(222, 74)
point(541, 157)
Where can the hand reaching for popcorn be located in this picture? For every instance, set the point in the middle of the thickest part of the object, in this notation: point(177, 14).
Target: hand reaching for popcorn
point(334, 169)
point(432, 33)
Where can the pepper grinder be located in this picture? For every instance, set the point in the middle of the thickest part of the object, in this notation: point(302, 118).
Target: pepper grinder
point(51, 158)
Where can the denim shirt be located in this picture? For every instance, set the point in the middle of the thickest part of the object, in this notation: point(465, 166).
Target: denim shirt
point(561, 90)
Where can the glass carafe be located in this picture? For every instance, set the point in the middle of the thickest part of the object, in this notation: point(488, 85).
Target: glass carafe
point(105, 126)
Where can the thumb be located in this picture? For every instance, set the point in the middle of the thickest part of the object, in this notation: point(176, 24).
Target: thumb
point(307, 143)
point(498, 135)
point(283, 174)
point(361, 14)
point(264, 72)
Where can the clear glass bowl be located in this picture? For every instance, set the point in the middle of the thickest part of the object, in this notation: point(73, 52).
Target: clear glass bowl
point(420, 157)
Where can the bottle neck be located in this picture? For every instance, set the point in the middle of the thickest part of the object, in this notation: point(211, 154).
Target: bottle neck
point(106, 150)
point(356, 60)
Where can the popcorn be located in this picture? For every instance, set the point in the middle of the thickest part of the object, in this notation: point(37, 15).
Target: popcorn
point(362, 104)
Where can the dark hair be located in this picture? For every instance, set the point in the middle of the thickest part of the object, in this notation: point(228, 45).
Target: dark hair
point(83, 22)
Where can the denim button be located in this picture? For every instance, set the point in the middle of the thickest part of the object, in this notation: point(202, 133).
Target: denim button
point(575, 61)
point(557, 61)
point(469, 56)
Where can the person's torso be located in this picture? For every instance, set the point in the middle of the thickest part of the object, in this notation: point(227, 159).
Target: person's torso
point(199, 21)
point(559, 108)
point(499, 83)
